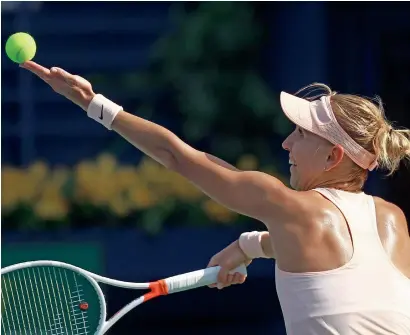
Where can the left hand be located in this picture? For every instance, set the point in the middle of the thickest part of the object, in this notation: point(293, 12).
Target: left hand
point(73, 87)
point(228, 259)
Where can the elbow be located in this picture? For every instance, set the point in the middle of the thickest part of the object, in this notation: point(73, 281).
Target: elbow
point(168, 160)
point(181, 160)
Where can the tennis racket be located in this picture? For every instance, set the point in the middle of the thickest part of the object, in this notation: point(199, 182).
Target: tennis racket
point(55, 298)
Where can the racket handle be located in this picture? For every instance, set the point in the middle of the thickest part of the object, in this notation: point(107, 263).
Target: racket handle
point(196, 279)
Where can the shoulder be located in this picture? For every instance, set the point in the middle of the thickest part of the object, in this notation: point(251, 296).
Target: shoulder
point(301, 207)
point(390, 214)
point(386, 208)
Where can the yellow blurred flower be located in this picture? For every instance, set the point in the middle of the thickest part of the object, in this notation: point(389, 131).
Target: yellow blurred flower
point(119, 206)
point(247, 163)
point(84, 175)
point(51, 205)
point(19, 185)
point(127, 177)
point(218, 212)
point(165, 183)
point(142, 198)
point(103, 182)
point(10, 178)
point(106, 164)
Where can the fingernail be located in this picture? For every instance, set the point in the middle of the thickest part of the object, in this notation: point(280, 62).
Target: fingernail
point(53, 69)
point(219, 286)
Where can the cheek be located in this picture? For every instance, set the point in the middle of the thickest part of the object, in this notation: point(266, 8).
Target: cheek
point(301, 153)
point(307, 158)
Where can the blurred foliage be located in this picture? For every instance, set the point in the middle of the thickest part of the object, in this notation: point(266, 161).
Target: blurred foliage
point(210, 63)
point(103, 193)
point(205, 71)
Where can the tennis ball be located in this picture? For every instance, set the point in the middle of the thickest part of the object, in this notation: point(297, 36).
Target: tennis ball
point(20, 47)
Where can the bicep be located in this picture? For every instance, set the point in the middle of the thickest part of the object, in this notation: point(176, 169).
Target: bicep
point(251, 193)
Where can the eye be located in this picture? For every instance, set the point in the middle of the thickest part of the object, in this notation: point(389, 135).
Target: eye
point(300, 131)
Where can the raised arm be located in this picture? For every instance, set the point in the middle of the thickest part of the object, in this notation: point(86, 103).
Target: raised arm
point(247, 192)
point(251, 193)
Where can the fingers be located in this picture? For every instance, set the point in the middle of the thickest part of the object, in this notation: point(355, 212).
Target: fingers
point(239, 278)
point(227, 278)
point(48, 74)
point(64, 75)
point(223, 276)
point(212, 262)
point(37, 69)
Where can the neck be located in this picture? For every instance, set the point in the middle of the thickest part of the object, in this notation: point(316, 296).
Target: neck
point(343, 186)
point(352, 182)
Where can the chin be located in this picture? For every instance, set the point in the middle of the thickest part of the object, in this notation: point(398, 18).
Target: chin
point(293, 183)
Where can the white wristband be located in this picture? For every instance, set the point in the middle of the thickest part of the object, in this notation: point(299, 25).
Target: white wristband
point(103, 110)
point(250, 243)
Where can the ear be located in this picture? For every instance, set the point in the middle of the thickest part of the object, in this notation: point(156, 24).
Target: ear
point(335, 157)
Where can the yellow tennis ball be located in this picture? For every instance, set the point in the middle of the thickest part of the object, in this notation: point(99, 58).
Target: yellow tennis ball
point(20, 47)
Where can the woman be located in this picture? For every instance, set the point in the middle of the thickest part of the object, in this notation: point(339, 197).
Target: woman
point(342, 257)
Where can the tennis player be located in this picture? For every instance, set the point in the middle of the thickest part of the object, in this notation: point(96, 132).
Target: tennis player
point(342, 256)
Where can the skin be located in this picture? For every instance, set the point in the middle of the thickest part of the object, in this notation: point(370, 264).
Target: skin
point(306, 232)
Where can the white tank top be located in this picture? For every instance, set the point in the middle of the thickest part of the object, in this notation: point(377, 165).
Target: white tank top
point(368, 295)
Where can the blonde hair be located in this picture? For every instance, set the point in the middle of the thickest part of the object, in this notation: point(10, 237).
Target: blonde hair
point(365, 122)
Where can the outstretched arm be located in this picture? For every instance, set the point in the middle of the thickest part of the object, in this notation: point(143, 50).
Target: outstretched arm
point(246, 192)
point(251, 193)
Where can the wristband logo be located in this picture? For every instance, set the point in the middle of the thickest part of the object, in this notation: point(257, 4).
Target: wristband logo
point(102, 110)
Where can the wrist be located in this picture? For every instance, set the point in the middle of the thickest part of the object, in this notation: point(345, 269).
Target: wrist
point(251, 245)
point(87, 98)
point(102, 110)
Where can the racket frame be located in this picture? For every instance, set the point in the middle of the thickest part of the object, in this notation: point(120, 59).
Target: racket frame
point(157, 288)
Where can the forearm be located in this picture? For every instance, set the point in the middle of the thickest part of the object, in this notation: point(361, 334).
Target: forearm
point(152, 139)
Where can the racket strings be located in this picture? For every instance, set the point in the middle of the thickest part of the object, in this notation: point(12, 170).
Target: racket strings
point(18, 308)
point(35, 310)
point(65, 302)
point(4, 310)
point(27, 306)
point(76, 299)
point(72, 312)
point(59, 316)
point(43, 300)
point(36, 285)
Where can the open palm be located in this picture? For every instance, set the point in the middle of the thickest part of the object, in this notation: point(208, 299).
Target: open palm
point(73, 87)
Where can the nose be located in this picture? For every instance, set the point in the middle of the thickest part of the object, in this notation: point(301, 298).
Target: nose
point(287, 143)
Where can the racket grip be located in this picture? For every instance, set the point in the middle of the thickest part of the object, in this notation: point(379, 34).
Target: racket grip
point(197, 279)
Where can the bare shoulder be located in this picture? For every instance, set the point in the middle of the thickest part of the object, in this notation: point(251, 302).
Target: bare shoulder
point(300, 207)
point(389, 214)
point(394, 233)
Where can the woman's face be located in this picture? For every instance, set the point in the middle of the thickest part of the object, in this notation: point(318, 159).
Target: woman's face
point(309, 157)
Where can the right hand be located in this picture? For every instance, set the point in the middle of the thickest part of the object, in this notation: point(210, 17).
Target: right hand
point(228, 259)
point(73, 87)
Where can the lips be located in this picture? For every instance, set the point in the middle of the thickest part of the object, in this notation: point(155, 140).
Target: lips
point(291, 162)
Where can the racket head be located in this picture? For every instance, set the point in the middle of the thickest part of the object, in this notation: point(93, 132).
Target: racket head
point(50, 297)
